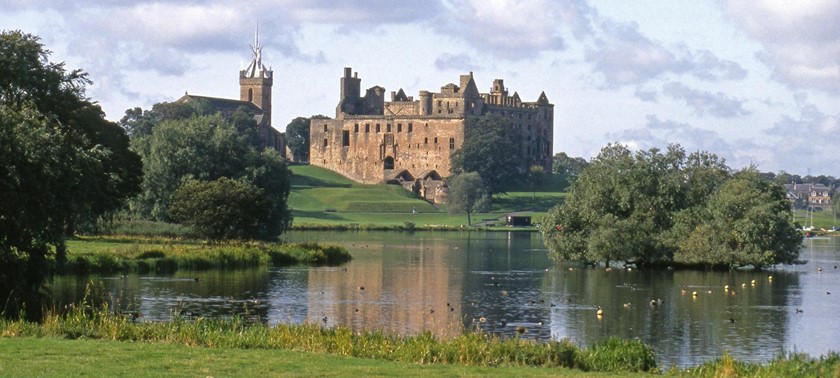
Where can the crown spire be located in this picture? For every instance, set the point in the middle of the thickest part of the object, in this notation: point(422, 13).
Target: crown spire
point(256, 68)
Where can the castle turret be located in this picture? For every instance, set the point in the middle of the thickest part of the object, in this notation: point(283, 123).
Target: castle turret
point(351, 89)
point(255, 82)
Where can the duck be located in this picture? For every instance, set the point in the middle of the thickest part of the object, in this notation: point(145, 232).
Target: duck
point(600, 311)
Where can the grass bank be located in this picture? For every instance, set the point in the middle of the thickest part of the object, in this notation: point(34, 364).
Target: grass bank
point(144, 255)
point(322, 199)
point(42, 357)
point(97, 322)
point(90, 342)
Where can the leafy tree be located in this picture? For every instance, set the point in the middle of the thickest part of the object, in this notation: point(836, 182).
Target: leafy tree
point(297, 138)
point(536, 178)
point(63, 164)
point(271, 174)
point(745, 222)
point(207, 148)
point(568, 167)
point(221, 209)
point(467, 193)
point(490, 148)
point(660, 208)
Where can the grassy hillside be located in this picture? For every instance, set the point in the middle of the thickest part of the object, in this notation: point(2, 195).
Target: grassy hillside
point(321, 197)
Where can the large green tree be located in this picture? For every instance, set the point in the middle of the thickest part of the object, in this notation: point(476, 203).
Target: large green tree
point(63, 165)
point(491, 148)
point(206, 148)
point(221, 209)
point(297, 138)
point(649, 207)
point(467, 193)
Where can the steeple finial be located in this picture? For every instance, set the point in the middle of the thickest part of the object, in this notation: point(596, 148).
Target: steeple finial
point(256, 68)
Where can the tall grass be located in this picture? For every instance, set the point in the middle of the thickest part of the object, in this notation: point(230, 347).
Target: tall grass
point(96, 320)
point(786, 365)
point(110, 255)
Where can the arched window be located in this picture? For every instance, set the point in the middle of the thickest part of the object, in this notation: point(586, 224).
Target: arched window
point(250, 95)
point(389, 163)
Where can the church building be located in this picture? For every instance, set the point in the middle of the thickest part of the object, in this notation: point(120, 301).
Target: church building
point(255, 83)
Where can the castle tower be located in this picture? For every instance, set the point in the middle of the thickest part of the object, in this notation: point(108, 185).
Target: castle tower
point(255, 82)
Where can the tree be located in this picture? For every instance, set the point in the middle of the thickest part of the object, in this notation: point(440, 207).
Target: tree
point(467, 193)
point(490, 148)
point(297, 138)
point(568, 167)
point(221, 209)
point(654, 208)
point(745, 222)
point(271, 174)
point(536, 177)
point(206, 148)
point(63, 164)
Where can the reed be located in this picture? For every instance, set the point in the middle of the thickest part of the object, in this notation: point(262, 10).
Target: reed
point(143, 255)
point(98, 320)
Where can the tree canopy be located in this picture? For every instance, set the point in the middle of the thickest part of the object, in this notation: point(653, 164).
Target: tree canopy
point(467, 193)
point(671, 208)
point(205, 148)
point(490, 148)
point(220, 209)
point(297, 138)
point(63, 164)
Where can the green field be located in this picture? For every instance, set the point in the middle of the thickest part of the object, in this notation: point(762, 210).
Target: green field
point(819, 219)
point(320, 197)
point(41, 357)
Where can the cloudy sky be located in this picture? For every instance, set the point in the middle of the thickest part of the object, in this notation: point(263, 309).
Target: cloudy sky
point(756, 82)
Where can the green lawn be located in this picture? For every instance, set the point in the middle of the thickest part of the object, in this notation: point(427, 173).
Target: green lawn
point(45, 357)
point(320, 197)
point(821, 219)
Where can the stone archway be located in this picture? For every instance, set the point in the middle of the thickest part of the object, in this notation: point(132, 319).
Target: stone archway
point(389, 163)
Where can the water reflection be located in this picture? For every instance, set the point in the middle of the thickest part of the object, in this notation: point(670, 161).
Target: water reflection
point(407, 283)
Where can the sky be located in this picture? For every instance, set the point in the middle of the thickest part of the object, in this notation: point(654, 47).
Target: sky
point(755, 82)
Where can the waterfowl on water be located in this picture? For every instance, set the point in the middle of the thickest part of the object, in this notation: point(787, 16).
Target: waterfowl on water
point(600, 311)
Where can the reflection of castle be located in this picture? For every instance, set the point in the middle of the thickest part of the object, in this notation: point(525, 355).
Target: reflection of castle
point(411, 141)
point(254, 97)
point(406, 299)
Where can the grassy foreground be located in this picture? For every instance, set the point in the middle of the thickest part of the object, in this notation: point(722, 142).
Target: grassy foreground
point(95, 321)
point(39, 357)
point(98, 343)
point(143, 255)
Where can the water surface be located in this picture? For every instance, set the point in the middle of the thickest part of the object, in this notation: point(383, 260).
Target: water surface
point(444, 282)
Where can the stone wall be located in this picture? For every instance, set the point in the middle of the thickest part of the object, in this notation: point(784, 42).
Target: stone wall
point(363, 147)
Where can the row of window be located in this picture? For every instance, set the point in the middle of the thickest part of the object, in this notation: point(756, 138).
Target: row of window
point(345, 140)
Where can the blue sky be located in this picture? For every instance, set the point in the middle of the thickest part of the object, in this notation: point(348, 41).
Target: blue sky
point(756, 82)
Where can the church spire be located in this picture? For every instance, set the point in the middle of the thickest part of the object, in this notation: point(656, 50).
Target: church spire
point(256, 69)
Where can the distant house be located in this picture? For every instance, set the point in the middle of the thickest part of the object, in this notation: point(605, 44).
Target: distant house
point(816, 196)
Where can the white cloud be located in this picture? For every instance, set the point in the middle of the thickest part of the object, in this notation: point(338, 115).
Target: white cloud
point(511, 29)
point(802, 39)
point(714, 104)
point(624, 56)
